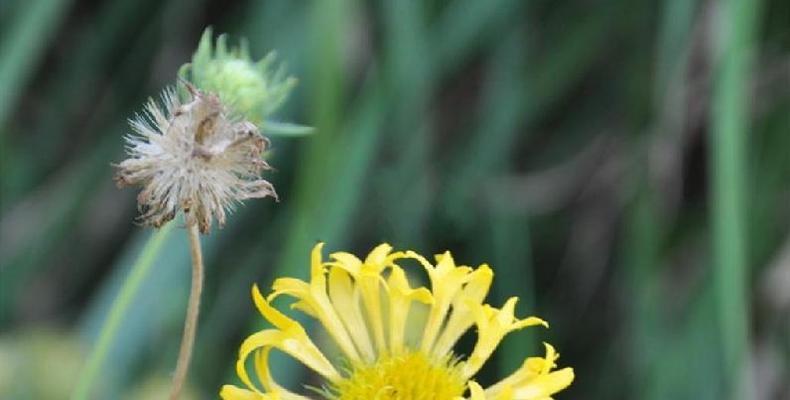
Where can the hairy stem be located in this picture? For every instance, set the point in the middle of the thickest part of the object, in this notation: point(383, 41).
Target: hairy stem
point(193, 309)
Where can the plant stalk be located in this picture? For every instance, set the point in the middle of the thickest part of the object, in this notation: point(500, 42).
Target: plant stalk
point(729, 165)
point(193, 310)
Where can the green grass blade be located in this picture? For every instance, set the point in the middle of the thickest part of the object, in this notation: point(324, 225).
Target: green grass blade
point(728, 136)
point(87, 380)
point(23, 44)
point(273, 128)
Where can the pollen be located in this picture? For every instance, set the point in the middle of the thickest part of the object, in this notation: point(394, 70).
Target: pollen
point(409, 376)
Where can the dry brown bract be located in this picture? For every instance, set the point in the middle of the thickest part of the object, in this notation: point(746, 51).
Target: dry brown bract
point(195, 157)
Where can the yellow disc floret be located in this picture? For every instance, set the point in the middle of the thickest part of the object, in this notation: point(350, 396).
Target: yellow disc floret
point(409, 376)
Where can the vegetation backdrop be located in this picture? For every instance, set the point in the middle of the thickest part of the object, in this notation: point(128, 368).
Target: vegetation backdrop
point(624, 166)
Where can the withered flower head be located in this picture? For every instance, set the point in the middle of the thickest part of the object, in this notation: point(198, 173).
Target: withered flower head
point(195, 157)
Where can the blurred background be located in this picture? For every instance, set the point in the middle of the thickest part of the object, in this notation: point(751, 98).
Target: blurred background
point(623, 165)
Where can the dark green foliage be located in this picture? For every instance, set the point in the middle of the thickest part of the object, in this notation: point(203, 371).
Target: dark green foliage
point(591, 151)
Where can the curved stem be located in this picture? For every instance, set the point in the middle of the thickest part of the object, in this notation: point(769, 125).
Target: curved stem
point(193, 309)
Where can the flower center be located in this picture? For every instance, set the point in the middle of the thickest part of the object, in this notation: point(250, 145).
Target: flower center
point(410, 376)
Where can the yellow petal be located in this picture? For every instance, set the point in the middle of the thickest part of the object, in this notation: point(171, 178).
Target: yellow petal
point(296, 288)
point(345, 296)
point(369, 284)
point(475, 391)
point(290, 286)
point(316, 258)
point(446, 280)
point(347, 261)
point(549, 361)
point(492, 326)
point(297, 345)
point(289, 337)
point(304, 307)
point(264, 375)
point(401, 296)
point(544, 385)
point(230, 392)
point(462, 317)
point(378, 256)
point(529, 369)
point(278, 319)
point(313, 298)
point(534, 379)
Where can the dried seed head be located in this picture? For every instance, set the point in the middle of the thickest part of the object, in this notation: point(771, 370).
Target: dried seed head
point(194, 157)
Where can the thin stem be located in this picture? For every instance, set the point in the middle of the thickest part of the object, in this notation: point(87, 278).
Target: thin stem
point(119, 307)
point(729, 133)
point(193, 309)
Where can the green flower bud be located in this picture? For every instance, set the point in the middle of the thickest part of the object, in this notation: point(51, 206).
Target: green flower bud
point(255, 90)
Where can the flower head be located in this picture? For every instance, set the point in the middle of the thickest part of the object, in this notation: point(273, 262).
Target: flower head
point(364, 306)
point(253, 89)
point(193, 156)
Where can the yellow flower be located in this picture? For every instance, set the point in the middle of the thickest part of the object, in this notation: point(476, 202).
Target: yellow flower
point(365, 306)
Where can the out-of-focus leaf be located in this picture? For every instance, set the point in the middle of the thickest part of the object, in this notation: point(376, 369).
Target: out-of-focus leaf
point(274, 128)
point(22, 44)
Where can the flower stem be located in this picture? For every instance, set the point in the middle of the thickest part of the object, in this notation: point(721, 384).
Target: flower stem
point(193, 309)
point(119, 307)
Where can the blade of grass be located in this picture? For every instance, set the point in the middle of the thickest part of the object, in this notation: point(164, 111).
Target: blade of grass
point(729, 125)
point(496, 129)
point(73, 86)
point(87, 380)
point(544, 81)
point(156, 314)
point(509, 238)
point(50, 227)
point(688, 356)
point(409, 71)
point(76, 183)
point(645, 229)
point(511, 260)
point(640, 252)
point(23, 44)
point(467, 24)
